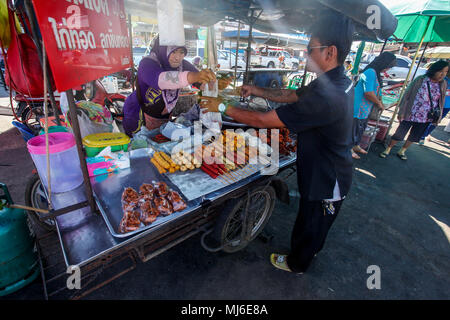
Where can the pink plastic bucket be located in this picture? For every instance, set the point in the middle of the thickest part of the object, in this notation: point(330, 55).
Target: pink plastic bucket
point(65, 170)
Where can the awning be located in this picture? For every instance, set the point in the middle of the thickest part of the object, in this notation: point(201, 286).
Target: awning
point(280, 16)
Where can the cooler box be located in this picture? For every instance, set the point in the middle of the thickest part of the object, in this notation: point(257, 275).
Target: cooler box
point(52, 121)
point(383, 125)
point(94, 143)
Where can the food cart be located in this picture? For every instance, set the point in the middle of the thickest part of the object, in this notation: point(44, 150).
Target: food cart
point(231, 212)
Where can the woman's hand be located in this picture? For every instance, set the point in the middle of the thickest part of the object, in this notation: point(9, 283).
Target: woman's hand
point(203, 76)
point(400, 118)
point(210, 104)
point(224, 82)
point(381, 106)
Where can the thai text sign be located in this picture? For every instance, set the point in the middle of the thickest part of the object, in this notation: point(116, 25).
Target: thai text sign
point(84, 39)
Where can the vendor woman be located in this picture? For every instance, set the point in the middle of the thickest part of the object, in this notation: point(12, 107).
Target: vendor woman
point(160, 77)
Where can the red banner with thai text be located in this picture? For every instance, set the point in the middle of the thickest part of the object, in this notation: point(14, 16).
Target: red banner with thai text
point(84, 39)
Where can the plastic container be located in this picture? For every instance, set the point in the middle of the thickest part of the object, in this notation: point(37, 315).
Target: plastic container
point(94, 143)
point(54, 129)
point(27, 134)
point(65, 169)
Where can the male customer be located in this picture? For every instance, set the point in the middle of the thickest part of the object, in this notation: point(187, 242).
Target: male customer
point(321, 114)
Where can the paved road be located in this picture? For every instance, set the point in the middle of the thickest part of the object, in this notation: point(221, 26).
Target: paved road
point(397, 217)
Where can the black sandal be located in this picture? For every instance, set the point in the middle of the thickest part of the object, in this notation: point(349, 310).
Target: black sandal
point(402, 156)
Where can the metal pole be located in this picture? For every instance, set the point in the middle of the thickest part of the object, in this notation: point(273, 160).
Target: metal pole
point(304, 76)
point(81, 156)
point(384, 45)
point(130, 32)
point(34, 33)
point(407, 77)
point(249, 50)
point(420, 60)
point(237, 52)
point(229, 52)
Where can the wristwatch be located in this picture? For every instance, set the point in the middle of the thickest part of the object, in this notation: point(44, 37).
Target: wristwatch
point(222, 108)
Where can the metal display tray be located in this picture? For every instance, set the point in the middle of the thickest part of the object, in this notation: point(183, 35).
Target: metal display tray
point(108, 191)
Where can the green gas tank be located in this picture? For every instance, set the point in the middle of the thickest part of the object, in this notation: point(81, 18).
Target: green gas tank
point(18, 258)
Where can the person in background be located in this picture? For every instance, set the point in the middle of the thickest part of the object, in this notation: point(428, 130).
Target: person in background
point(159, 79)
point(423, 94)
point(445, 111)
point(348, 66)
point(321, 115)
point(368, 95)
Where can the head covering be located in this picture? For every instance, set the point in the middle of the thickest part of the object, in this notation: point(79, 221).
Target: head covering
point(385, 60)
point(160, 54)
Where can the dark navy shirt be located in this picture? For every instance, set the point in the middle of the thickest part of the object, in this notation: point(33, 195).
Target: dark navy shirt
point(322, 118)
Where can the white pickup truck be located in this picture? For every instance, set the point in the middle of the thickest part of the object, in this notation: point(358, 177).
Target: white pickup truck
point(275, 59)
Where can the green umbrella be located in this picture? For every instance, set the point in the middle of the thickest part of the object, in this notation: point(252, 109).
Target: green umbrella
point(420, 21)
point(418, 16)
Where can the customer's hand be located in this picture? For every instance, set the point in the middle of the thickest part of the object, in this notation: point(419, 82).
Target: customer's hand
point(247, 90)
point(210, 104)
point(203, 76)
point(400, 118)
point(381, 106)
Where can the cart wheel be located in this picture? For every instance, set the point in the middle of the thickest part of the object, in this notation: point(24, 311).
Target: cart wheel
point(35, 197)
point(228, 230)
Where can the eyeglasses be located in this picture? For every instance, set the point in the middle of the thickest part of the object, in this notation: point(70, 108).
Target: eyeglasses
point(309, 49)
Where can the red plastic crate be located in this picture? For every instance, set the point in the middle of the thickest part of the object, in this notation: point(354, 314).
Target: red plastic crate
point(383, 125)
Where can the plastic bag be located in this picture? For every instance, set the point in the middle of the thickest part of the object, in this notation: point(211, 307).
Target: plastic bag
point(175, 131)
point(92, 117)
point(211, 91)
point(211, 120)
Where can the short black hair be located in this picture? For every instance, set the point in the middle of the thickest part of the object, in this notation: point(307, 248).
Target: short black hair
point(334, 29)
point(436, 67)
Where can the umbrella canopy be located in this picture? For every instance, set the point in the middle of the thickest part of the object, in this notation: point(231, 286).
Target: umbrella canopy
point(282, 16)
point(438, 53)
point(414, 16)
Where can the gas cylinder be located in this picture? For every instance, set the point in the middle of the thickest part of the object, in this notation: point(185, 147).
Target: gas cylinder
point(18, 257)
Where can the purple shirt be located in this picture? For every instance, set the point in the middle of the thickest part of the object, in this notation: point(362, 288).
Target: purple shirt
point(421, 106)
point(148, 75)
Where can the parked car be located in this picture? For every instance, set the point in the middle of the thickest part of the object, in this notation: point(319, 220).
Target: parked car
point(227, 60)
point(401, 68)
point(400, 71)
point(275, 58)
